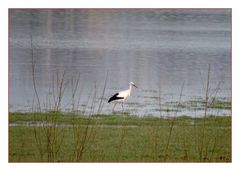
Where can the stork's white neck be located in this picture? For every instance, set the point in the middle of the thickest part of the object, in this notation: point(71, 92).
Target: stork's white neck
point(130, 89)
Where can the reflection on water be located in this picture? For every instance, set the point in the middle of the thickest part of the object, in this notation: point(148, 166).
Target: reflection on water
point(156, 49)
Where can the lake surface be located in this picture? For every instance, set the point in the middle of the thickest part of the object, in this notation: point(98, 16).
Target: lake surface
point(159, 50)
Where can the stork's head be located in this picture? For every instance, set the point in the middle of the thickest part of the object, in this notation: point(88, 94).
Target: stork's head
point(131, 83)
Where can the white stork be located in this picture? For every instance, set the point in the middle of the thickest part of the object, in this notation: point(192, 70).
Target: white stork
point(121, 96)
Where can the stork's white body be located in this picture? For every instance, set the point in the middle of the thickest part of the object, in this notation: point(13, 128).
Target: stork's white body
point(121, 96)
point(124, 94)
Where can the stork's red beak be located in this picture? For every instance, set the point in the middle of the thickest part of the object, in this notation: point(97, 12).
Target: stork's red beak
point(135, 85)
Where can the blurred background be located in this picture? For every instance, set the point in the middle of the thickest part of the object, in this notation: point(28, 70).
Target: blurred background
point(158, 49)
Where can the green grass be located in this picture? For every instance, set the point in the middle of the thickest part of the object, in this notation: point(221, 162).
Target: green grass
point(116, 119)
point(118, 138)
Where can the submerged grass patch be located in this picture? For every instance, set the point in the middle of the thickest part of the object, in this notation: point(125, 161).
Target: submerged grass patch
point(220, 104)
point(198, 104)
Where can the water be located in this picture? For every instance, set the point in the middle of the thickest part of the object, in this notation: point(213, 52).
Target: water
point(158, 50)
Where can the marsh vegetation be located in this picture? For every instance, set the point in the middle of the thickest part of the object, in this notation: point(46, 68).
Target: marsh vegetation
point(117, 138)
point(85, 134)
point(60, 77)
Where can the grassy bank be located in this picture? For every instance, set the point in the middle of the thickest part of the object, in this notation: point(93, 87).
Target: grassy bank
point(118, 138)
point(116, 119)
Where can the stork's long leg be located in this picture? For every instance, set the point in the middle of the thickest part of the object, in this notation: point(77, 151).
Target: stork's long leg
point(113, 107)
point(122, 107)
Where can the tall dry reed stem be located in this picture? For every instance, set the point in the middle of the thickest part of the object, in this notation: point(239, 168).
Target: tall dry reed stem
point(205, 114)
point(172, 124)
point(33, 74)
point(50, 139)
point(154, 133)
point(103, 92)
point(58, 91)
point(37, 136)
point(209, 100)
point(74, 91)
point(84, 135)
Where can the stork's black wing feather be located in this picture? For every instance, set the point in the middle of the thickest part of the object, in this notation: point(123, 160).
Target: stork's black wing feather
point(115, 97)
